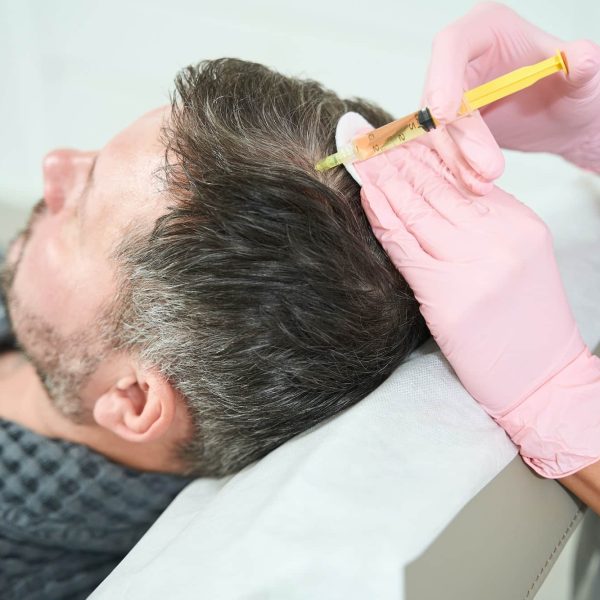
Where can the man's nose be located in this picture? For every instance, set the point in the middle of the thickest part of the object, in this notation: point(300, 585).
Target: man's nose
point(65, 170)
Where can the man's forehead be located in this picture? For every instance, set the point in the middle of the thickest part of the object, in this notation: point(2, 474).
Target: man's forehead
point(144, 132)
point(137, 152)
point(127, 182)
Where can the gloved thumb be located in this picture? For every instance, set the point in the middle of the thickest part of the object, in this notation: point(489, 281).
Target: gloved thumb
point(478, 146)
point(583, 61)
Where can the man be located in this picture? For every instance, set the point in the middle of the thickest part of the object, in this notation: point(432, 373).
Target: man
point(193, 295)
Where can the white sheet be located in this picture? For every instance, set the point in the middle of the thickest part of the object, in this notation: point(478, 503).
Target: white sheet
point(339, 511)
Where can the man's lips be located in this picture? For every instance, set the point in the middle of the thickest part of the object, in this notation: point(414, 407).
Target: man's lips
point(15, 249)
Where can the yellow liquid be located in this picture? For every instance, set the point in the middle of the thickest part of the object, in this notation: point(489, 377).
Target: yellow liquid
point(386, 137)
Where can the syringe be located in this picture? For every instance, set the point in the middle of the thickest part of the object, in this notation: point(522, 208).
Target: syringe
point(416, 124)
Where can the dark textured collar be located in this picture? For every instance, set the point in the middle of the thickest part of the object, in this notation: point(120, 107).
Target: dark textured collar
point(68, 515)
point(64, 494)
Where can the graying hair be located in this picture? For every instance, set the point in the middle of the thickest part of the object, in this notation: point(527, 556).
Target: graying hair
point(262, 294)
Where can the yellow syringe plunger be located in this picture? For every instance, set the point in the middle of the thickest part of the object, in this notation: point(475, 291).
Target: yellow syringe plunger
point(408, 128)
point(510, 83)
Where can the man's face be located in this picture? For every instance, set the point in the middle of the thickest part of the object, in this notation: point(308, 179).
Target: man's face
point(59, 279)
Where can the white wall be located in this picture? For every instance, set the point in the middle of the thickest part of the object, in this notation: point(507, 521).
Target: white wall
point(74, 72)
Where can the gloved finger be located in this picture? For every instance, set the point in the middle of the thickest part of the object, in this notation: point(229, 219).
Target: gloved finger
point(424, 150)
point(443, 239)
point(456, 207)
point(466, 176)
point(583, 61)
point(396, 156)
point(477, 146)
point(486, 171)
point(371, 168)
point(421, 166)
point(417, 162)
point(427, 225)
point(454, 47)
point(401, 246)
point(379, 212)
point(394, 207)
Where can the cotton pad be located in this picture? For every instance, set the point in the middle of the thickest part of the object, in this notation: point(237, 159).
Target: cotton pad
point(349, 126)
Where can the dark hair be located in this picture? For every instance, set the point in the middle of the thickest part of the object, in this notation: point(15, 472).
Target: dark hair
point(262, 294)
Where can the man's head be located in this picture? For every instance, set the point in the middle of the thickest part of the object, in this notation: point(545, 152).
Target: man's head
point(199, 262)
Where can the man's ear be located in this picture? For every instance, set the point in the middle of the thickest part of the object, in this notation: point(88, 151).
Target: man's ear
point(139, 407)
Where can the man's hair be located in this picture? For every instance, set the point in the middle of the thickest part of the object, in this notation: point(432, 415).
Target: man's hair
point(262, 294)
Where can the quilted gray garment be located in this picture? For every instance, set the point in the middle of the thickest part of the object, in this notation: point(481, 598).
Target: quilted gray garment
point(68, 515)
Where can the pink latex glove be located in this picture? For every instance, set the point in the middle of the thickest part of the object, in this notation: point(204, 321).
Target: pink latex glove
point(559, 114)
point(484, 273)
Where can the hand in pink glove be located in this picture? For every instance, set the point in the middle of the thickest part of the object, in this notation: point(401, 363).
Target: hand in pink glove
point(484, 273)
point(559, 114)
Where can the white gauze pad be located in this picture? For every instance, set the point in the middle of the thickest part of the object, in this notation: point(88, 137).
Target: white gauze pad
point(349, 126)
